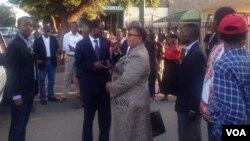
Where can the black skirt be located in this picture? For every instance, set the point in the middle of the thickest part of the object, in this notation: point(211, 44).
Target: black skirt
point(169, 78)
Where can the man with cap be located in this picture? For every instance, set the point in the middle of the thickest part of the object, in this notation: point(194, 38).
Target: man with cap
point(45, 48)
point(230, 102)
point(216, 52)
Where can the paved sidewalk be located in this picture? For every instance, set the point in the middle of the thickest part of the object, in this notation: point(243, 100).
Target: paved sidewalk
point(60, 122)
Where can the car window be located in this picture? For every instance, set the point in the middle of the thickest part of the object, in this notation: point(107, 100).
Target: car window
point(4, 29)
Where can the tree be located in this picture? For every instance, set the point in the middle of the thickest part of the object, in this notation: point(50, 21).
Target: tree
point(63, 11)
point(7, 18)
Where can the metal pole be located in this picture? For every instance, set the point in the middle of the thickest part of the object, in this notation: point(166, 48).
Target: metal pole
point(141, 12)
point(152, 21)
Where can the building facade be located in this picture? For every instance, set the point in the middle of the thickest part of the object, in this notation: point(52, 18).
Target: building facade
point(207, 9)
point(116, 17)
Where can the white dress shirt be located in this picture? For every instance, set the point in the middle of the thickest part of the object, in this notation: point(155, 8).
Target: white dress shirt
point(46, 41)
point(70, 39)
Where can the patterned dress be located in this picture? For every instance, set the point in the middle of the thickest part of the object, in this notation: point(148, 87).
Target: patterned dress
point(131, 98)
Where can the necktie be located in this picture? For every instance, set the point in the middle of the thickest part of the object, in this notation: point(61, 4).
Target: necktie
point(97, 49)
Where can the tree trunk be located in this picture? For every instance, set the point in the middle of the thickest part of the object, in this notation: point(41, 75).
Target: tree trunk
point(62, 30)
point(141, 12)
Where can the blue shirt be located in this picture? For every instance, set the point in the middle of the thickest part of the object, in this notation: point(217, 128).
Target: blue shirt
point(230, 103)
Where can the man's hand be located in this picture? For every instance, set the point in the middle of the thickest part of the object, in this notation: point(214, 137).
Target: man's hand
point(62, 57)
point(99, 65)
point(71, 48)
point(191, 114)
point(19, 102)
point(117, 50)
point(39, 61)
point(108, 86)
point(59, 52)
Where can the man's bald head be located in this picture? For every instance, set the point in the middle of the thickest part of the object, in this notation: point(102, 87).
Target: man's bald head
point(134, 23)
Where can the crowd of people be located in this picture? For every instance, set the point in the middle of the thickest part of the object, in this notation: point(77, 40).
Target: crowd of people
point(118, 73)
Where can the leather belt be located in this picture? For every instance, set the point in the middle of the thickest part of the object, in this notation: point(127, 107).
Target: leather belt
point(71, 55)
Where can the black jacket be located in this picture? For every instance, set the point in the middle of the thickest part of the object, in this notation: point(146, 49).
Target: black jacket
point(21, 70)
point(93, 80)
point(40, 50)
point(190, 80)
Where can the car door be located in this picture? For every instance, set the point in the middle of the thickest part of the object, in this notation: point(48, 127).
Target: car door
point(2, 69)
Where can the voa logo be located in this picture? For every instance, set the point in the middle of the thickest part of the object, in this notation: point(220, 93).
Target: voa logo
point(236, 132)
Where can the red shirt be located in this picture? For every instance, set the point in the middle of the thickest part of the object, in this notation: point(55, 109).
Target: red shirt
point(171, 54)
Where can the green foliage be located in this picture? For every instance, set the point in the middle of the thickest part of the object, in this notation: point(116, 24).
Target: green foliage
point(42, 8)
point(7, 17)
point(72, 9)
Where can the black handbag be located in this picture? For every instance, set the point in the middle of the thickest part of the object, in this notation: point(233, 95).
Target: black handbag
point(158, 127)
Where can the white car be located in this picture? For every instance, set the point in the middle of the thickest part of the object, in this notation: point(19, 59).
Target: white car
point(6, 31)
point(2, 69)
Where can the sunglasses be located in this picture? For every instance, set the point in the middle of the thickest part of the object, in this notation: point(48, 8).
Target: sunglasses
point(129, 35)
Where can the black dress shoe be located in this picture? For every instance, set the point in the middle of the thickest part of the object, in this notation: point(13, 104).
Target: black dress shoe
point(62, 99)
point(43, 102)
point(79, 106)
point(53, 99)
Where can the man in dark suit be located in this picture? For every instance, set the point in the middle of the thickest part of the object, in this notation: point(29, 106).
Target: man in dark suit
point(90, 55)
point(45, 48)
point(21, 78)
point(190, 80)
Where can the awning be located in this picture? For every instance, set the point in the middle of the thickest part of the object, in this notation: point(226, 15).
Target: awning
point(191, 15)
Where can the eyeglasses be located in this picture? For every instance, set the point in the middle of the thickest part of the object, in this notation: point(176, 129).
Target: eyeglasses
point(129, 35)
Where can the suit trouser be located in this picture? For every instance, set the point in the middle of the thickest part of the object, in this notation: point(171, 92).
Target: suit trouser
point(211, 136)
point(19, 119)
point(96, 102)
point(69, 75)
point(189, 127)
point(248, 119)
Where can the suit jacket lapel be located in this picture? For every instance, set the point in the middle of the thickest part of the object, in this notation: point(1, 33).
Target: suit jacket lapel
point(189, 53)
point(193, 47)
point(22, 41)
point(26, 48)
